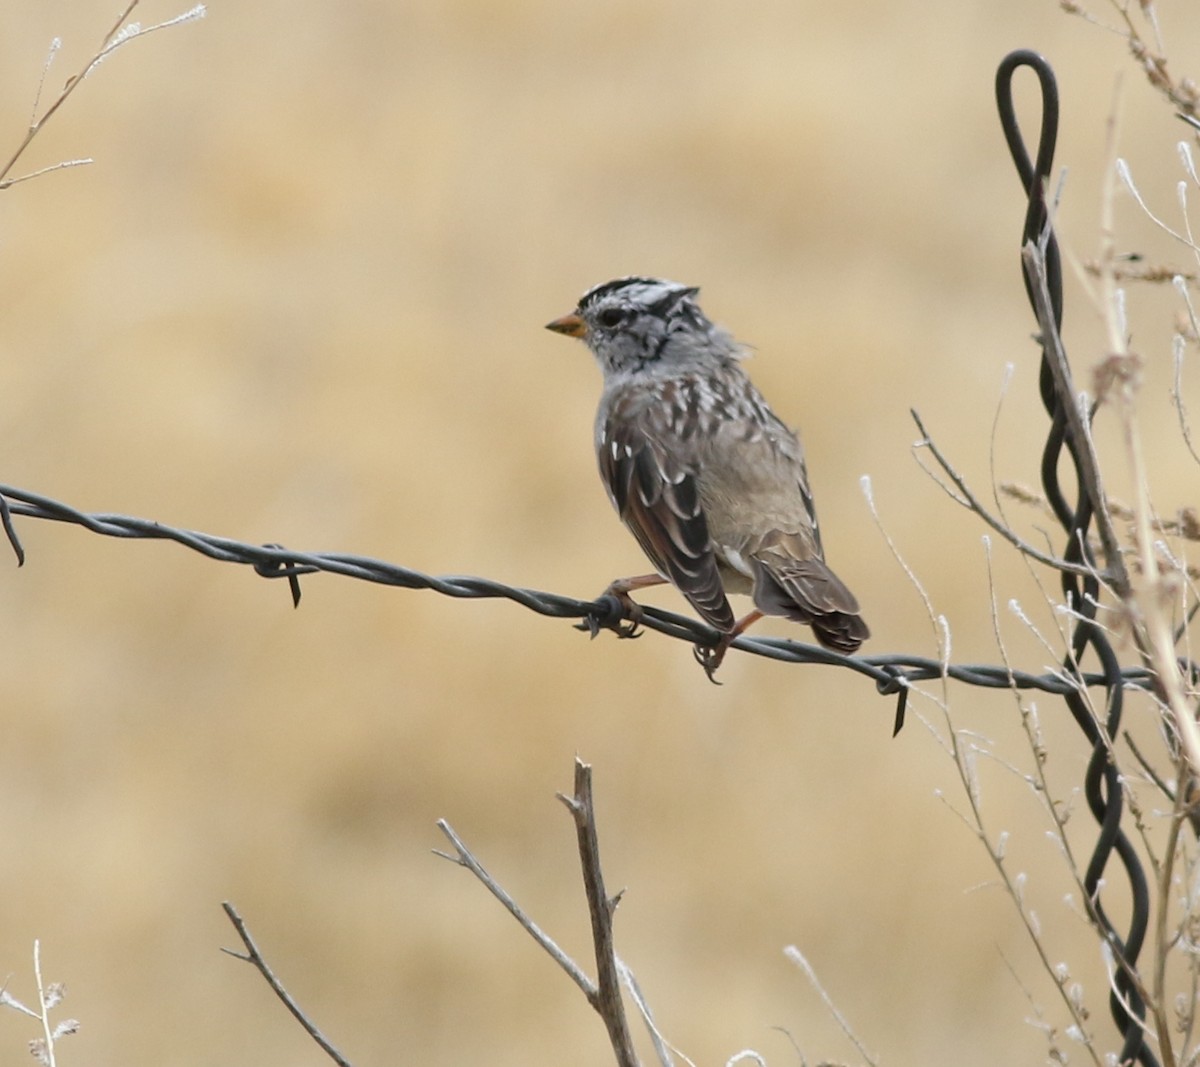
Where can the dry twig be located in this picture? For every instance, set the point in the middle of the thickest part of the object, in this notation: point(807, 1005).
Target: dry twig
point(255, 958)
point(50, 995)
point(604, 995)
point(122, 32)
point(971, 502)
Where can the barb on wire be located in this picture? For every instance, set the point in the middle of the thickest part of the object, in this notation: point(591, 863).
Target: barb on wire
point(891, 673)
point(1069, 431)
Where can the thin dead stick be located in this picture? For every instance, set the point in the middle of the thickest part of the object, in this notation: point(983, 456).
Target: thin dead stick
point(121, 33)
point(797, 957)
point(1089, 469)
point(46, 170)
point(971, 502)
point(1185, 426)
point(1150, 595)
point(1162, 945)
point(465, 858)
point(121, 19)
point(48, 1033)
point(1158, 644)
point(1148, 770)
point(1147, 596)
point(604, 995)
point(663, 1049)
point(254, 957)
point(601, 908)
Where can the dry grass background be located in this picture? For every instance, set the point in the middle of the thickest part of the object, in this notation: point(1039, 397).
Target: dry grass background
point(299, 297)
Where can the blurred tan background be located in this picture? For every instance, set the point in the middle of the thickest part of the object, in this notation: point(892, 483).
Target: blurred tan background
point(299, 297)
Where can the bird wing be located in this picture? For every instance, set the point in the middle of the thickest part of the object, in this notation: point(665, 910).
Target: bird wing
point(657, 497)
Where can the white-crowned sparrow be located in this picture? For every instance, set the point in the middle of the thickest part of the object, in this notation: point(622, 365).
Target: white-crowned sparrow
point(700, 469)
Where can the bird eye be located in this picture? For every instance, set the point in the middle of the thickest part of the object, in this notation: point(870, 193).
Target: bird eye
point(611, 317)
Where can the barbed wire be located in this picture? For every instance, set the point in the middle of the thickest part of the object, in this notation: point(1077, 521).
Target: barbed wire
point(891, 673)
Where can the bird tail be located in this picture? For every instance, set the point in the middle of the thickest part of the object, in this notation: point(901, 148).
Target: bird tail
point(807, 591)
point(841, 632)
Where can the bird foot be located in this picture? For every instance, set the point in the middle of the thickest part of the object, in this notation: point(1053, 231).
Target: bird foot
point(712, 658)
point(618, 612)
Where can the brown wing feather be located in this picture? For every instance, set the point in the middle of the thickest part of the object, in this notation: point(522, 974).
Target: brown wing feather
point(658, 500)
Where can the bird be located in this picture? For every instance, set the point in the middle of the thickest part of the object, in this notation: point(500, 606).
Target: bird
point(711, 483)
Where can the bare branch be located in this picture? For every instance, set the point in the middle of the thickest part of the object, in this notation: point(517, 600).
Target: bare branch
point(604, 995)
point(49, 996)
point(122, 32)
point(971, 502)
point(1158, 1001)
point(43, 1006)
point(1185, 426)
point(1078, 429)
point(662, 1048)
point(1148, 596)
point(797, 957)
point(601, 907)
point(464, 858)
point(46, 170)
point(255, 958)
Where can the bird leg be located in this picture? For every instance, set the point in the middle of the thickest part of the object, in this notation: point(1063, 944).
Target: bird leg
point(710, 658)
point(625, 615)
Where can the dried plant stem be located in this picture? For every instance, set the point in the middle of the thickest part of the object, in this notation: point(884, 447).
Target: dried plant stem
point(995, 851)
point(43, 1011)
point(255, 958)
point(121, 20)
point(62, 165)
point(1181, 413)
point(1162, 943)
point(1152, 592)
point(971, 502)
point(1078, 430)
point(465, 858)
point(663, 1049)
point(50, 995)
point(120, 34)
point(798, 958)
point(962, 751)
point(604, 995)
point(1147, 596)
point(601, 907)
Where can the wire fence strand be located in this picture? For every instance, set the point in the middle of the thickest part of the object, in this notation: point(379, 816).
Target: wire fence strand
point(891, 673)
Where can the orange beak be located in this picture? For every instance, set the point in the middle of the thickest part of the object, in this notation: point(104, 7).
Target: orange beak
point(572, 325)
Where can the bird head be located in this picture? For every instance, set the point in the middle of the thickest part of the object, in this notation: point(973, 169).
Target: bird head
point(644, 325)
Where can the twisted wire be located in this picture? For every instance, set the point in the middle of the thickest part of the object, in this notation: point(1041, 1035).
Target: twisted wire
point(1102, 786)
point(891, 673)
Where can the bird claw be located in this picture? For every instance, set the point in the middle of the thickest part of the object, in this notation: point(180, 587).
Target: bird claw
point(618, 612)
point(710, 658)
point(628, 629)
